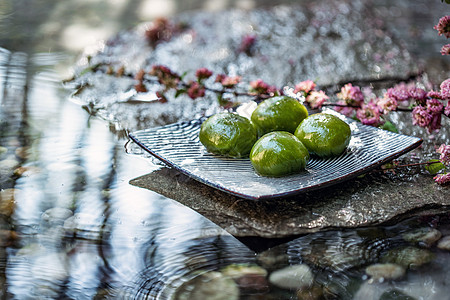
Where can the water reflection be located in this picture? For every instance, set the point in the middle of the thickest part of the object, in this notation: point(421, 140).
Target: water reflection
point(80, 230)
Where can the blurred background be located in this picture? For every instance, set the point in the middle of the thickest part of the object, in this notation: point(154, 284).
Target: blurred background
point(71, 26)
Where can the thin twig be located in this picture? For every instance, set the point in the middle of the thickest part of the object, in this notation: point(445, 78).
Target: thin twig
point(408, 165)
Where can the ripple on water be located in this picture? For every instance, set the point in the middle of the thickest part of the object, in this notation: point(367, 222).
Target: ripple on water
point(167, 272)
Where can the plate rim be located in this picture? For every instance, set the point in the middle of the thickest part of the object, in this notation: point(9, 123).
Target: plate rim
point(293, 192)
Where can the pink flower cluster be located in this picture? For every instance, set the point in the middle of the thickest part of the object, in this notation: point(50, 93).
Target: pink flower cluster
point(228, 81)
point(352, 95)
point(427, 113)
point(350, 98)
point(314, 98)
point(247, 43)
point(442, 178)
point(160, 30)
point(444, 151)
point(203, 73)
point(445, 50)
point(429, 110)
point(196, 89)
point(165, 76)
point(369, 114)
point(443, 28)
point(260, 87)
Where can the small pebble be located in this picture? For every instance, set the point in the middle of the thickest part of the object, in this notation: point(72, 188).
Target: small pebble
point(8, 164)
point(385, 271)
point(22, 152)
point(211, 285)
point(273, 259)
point(56, 215)
point(313, 292)
point(250, 278)
point(444, 243)
point(395, 295)
point(50, 267)
point(237, 270)
point(426, 236)
point(7, 202)
point(292, 277)
point(408, 257)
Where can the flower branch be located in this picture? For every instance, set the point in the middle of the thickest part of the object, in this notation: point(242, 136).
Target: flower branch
point(426, 106)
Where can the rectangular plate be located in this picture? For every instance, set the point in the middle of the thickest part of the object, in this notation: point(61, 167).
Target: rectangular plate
point(178, 146)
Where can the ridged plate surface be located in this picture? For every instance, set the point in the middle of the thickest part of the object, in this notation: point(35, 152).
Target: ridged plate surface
point(178, 146)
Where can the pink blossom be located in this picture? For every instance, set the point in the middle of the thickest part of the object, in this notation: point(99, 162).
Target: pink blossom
point(387, 104)
point(369, 114)
point(447, 109)
point(444, 150)
point(435, 123)
point(345, 110)
point(203, 73)
point(196, 90)
point(220, 77)
point(351, 94)
point(316, 99)
point(260, 87)
point(434, 106)
point(421, 116)
point(165, 75)
point(445, 89)
point(442, 178)
point(247, 43)
point(434, 94)
point(418, 94)
point(445, 50)
point(400, 92)
point(443, 27)
point(160, 30)
point(228, 81)
point(159, 69)
point(305, 86)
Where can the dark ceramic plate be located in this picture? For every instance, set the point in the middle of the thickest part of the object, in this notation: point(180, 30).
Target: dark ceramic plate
point(178, 146)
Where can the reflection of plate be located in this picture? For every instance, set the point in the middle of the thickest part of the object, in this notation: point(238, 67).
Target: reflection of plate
point(178, 146)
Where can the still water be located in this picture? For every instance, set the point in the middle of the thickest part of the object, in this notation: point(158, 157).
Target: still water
point(72, 227)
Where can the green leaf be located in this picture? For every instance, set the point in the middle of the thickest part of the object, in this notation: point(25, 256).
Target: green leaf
point(180, 92)
point(90, 69)
point(389, 127)
point(183, 75)
point(86, 70)
point(389, 165)
point(434, 167)
point(221, 100)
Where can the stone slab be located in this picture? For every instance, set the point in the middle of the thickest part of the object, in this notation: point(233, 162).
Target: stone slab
point(374, 199)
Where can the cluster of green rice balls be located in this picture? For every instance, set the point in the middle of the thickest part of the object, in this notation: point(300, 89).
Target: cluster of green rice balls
point(279, 138)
